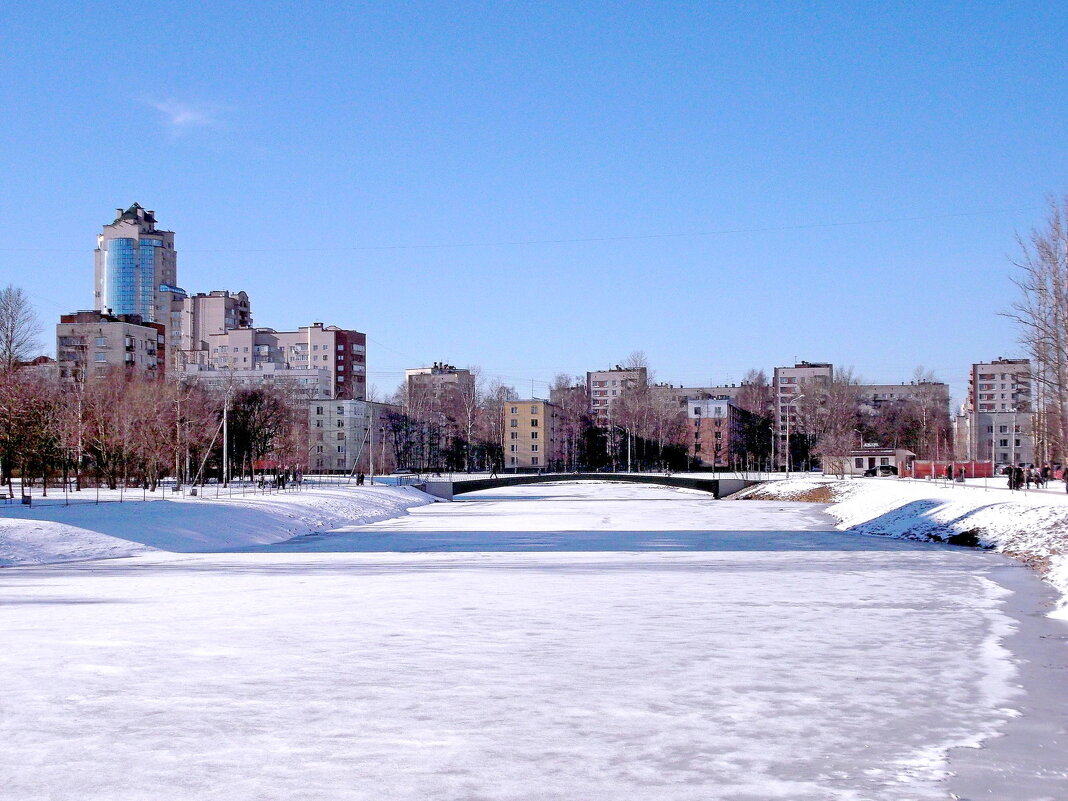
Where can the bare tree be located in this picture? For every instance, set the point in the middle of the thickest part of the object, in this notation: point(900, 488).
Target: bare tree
point(1042, 316)
point(828, 418)
point(19, 328)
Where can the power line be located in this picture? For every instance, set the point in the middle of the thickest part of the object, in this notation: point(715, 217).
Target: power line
point(576, 240)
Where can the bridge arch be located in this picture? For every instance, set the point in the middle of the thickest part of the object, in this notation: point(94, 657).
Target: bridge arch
point(717, 487)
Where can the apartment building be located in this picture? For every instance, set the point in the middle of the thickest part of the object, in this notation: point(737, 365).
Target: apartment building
point(715, 431)
point(998, 410)
point(135, 267)
point(198, 317)
point(89, 343)
point(341, 439)
point(341, 352)
point(789, 386)
point(439, 387)
point(530, 435)
point(879, 395)
point(605, 386)
point(304, 384)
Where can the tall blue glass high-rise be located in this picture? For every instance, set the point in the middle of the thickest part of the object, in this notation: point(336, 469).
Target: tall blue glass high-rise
point(136, 267)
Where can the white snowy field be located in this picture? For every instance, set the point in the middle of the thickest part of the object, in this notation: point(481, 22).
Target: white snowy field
point(544, 642)
point(84, 530)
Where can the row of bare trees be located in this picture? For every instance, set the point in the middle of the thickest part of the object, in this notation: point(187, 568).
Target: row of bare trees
point(121, 429)
point(459, 427)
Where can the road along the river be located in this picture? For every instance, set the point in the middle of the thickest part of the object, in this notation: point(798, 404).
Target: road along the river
point(590, 641)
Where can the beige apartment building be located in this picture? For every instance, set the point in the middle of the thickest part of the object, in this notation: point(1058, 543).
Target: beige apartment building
point(89, 343)
point(605, 387)
point(439, 386)
point(199, 316)
point(998, 411)
point(789, 386)
point(530, 436)
point(339, 351)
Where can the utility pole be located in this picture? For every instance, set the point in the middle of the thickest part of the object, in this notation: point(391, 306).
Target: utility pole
point(371, 435)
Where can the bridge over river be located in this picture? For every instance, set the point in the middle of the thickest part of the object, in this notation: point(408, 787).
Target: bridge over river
point(717, 485)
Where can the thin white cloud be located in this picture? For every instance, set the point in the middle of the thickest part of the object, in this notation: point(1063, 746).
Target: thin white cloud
point(179, 116)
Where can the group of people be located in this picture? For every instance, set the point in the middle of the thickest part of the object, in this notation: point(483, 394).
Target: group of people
point(1024, 477)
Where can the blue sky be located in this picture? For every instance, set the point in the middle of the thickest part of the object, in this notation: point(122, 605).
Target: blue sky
point(537, 188)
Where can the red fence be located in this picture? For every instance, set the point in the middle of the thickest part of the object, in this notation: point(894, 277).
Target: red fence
point(923, 469)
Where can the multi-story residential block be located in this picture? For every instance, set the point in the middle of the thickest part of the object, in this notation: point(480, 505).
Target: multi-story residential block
point(998, 408)
point(679, 395)
point(199, 316)
point(789, 386)
point(303, 385)
point(879, 395)
point(606, 386)
point(341, 439)
point(440, 386)
point(530, 435)
point(135, 267)
point(89, 343)
point(715, 431)
point(340, 351)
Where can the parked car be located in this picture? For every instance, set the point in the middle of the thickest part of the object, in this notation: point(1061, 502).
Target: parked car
point(404, 472)
point(882, 470)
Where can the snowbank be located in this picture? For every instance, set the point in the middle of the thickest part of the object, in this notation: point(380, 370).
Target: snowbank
point(1032, 526)
point(46, 534)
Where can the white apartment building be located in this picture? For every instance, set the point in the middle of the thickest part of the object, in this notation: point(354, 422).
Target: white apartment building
point(342, 352)
point(304, 384)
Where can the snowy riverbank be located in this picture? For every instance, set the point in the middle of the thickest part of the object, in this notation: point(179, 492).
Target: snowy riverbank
point(1032, 526)
point(43, 534)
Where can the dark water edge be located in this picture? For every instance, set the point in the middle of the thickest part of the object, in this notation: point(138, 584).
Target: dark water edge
point(1029, 762)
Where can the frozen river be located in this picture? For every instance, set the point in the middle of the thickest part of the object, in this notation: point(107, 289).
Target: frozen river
point(543, 642)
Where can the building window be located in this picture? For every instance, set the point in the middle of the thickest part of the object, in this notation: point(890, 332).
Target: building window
point(340, 448)
point(533, 409)
point(340, 423)
point(533, 434)
point(318, 409)
point(515, 435)
point(100, 357)
point(534, 448)
point(340, 409)
point(515, 423)
point(101, 341)
point(514, 410)
point(858, 462)
point(533, 460)
point(514, 448)
point(883, 460)
point(318, 448)
point(534, 423)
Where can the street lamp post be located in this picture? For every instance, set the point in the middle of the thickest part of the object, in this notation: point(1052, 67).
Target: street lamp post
point(789, 413)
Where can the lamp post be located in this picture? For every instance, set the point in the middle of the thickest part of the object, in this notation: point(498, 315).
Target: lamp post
point(790, 413)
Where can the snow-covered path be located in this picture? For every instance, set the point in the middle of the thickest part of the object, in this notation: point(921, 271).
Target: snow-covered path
point(596, 642)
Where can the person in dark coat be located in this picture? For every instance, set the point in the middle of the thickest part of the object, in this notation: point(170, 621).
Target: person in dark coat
point(1018, 475)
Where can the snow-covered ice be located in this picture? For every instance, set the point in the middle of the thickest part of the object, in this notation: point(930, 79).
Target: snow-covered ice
point(85, 530)
point(543, 642)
